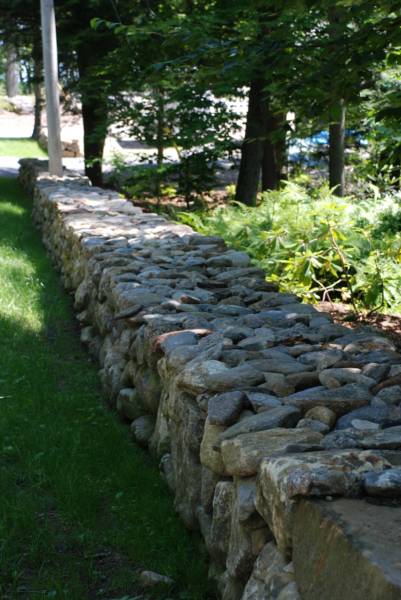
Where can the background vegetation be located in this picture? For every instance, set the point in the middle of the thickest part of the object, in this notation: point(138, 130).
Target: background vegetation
point(322, 84)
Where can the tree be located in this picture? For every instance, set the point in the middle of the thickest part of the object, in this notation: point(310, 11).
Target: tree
point(11, 71)
point(20, 28)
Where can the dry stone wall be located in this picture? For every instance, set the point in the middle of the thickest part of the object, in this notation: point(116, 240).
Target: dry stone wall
point(257, 405)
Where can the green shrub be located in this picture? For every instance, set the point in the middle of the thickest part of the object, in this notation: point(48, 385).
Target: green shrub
point(317, 245)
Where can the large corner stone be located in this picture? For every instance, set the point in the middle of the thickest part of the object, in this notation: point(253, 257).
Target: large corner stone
point(284, 480)
point(347, 549)
point(243, 454)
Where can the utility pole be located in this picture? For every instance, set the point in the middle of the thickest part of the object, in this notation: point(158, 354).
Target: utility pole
point(49, 41)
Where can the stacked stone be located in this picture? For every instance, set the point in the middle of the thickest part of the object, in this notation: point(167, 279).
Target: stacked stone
point(252, 400)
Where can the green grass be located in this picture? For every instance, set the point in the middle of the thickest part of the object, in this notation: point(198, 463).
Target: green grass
point(21, 147)
point(81, 507)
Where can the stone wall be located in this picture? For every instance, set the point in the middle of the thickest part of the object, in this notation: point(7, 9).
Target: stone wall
point(271, 423)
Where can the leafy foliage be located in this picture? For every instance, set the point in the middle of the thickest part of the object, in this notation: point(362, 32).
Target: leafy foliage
point(317, 245)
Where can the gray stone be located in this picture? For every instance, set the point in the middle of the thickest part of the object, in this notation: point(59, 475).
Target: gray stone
point(303, 380)
point(214, 376)
point(285, 479)
point(389, 439)
point(386, 483)
point(231, 310)
point(230, 588)
point(282, 416)
point(363, 425)
point(182, 355)
point(167, 470)
point(347, 549)
point(248, 532)
point(300, 349)
point(237, 333)
point(149, 579)
point(148, 385)
point(323, 414)
point(320, 321)
point(278, 384)
point(209, 456)
point(342, 439)
point(395, 370)
point(261, 402)
point(270, 577)
point(173, 339)
point(257, 342)
point(313, 425)
point(385, 416)
point(365, 342)
point(245, 498)
point(285, 365)
point(243, 454)
point(326, 333)
point(142, 429)
point(208, 486)
point(390, 395)
point(379, 356)
point(231, 258)
point(195, 376)
point(290, 592)
point(334, 378)
point(221, 521)
point(129, 404)
point(375, 370)
point(224, 409)
point(321, 359)
point(236, 356)
point(340, 400)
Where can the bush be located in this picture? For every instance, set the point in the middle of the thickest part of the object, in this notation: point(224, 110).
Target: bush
point(317, 245)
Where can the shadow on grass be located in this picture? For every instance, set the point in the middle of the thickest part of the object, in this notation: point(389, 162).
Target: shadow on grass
point(81, 507)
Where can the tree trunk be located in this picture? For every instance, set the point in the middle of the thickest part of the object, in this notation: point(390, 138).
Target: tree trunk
point(94, 117)
point(336, 149)
point(159, 139)
point(37, 125)
point(37, 81)
point(252, 147)
point(273, 152)
point(160, 128)
point(11, 72)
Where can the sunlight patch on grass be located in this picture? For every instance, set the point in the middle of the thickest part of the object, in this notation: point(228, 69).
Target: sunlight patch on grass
point(21, 147)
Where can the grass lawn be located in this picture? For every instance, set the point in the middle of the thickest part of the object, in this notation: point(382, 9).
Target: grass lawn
point(81, 507)
point(21, 147)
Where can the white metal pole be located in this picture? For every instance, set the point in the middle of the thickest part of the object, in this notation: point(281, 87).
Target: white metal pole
point(49, 41)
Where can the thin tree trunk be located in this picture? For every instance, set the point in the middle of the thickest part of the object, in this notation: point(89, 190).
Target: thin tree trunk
point(11, 72)
point(37, 81)
point(159, 139)
point(37, 125)
point(252, 147)
point(160, 128)
point(273, 152)
point(336, 150)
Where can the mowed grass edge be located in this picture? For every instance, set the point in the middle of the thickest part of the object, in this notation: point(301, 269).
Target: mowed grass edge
point(81, 508)
point(21, 147)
